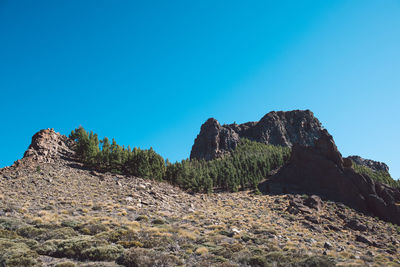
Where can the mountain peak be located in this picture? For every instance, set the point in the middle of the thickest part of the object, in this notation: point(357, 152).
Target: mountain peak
point(284, 128)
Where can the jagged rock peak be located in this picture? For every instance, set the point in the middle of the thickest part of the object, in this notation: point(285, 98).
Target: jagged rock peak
point(374, 165)
point(284, 128)
point(214, 141)
point(47, 146)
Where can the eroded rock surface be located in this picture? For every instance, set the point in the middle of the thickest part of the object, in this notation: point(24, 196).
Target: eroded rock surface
point(276, 128)
point(214, 141)
point(47, 146)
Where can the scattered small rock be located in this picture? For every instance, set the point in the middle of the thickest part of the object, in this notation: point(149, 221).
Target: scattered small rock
point(328, 245)
point(364, 239)
point(312, 219)
point(313, 202)
point(356, 225)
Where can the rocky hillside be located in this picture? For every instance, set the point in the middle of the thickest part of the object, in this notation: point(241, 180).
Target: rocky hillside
point(320, 169)
point(315, 166)
point(56, 212)
point(275, 128)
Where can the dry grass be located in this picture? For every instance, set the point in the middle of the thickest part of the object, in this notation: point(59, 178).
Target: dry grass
point(201, 251)
point(195, 228)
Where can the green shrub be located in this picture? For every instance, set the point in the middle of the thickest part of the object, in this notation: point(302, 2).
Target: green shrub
point(91, 228)
point(102, 253)
point(257, 261)
point(70, 248)
point(317, 261)
point(11, 224)
point(60, 233)
point(8, 234)
point(149, 240)
point(31, 232)
point(70, 223)
point(139, 257)
point(16, 254)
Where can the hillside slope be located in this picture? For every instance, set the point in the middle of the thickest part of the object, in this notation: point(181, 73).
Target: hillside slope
point(53, 210)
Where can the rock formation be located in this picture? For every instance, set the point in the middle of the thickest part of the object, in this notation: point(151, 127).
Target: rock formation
point(214, 141)
point(47, 146)
point(276, 128)
point(374, 165)
point(320, 169)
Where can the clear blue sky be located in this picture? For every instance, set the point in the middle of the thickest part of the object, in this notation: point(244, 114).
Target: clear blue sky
point(149, 73)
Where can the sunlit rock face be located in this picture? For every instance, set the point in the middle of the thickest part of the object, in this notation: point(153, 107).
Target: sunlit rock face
point(276, 128)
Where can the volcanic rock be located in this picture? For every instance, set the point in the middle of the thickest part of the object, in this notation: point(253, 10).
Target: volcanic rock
point(356, 225)
point(364, 239)
point(214, 141)
point(276, 128)
point(296, 206)
point(320, 170)
point(47, 146)
point(313, 202)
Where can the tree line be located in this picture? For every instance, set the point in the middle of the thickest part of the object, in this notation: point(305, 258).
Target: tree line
point(242, 169)
point(105, 156)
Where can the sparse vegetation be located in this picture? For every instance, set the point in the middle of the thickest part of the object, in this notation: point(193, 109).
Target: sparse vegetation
point(86, 218)
point(136, 257)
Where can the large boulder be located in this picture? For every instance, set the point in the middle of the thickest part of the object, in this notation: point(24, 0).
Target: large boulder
point(276, 128)
point(320, 169)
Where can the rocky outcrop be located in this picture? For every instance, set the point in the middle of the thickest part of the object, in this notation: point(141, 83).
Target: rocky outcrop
point(321, 170)
point(214, 141)
point(276, 128)
point(374, 165)
point(47, 146)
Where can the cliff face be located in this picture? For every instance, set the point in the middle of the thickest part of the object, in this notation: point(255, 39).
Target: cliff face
point(320, 169)
point(276, 128)
point(214, 141)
